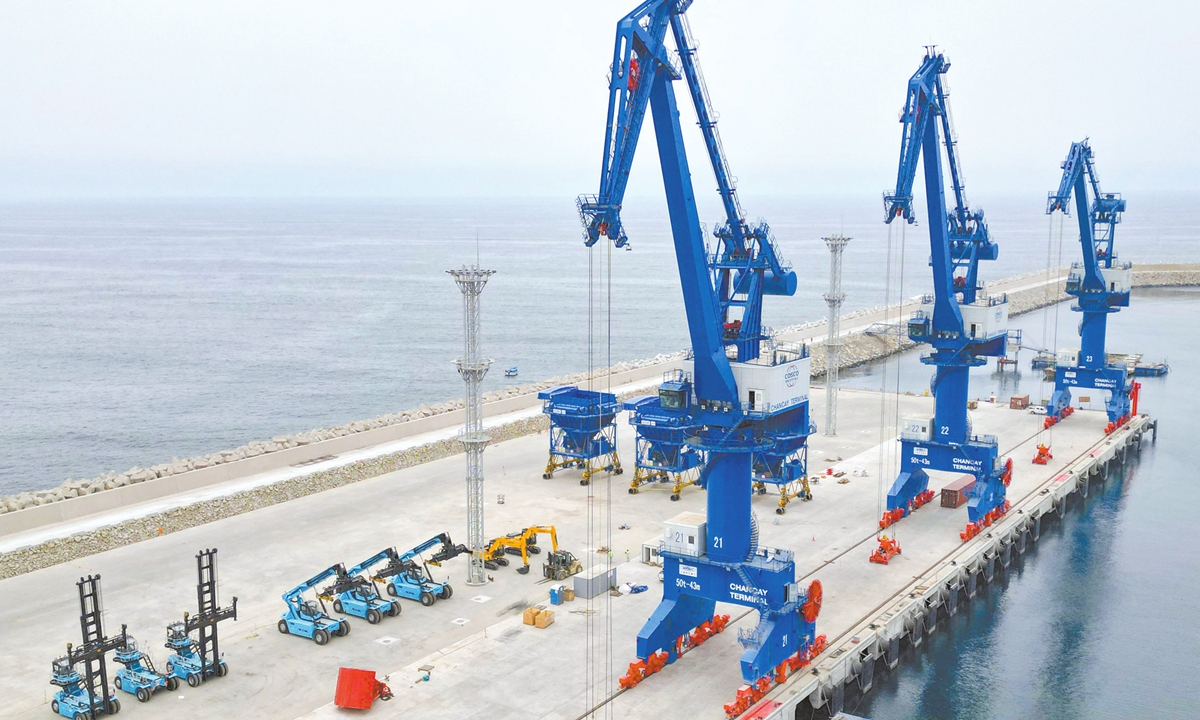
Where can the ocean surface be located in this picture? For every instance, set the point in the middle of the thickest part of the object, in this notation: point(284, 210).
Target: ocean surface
point(135, 332)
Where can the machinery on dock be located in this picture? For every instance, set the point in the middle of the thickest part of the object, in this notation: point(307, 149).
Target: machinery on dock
point(354, 594)
point(86, 694)
point(560, 565)
point(522, 543)
point(138, 677)
point(746, 399)
point(407, 578)
point(196, 661)
point(664, 425)
point(1100, 285)
point(963, 326)
point(583, 431)
point(307, 618)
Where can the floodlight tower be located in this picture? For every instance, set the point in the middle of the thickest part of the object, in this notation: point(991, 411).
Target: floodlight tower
point(472, 367)
point(833, 344)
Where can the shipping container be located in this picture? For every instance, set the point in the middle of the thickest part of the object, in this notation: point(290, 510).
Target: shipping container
point(1018, 402)
point(955, 494)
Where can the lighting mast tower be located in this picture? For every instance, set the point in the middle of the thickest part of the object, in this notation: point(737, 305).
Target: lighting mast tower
point(833, 344)
point(472, 367)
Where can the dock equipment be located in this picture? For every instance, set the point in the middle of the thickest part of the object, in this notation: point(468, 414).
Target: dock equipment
point(663, 426)
point(307, 618)
point(523, 543)
point(963, 326)
point(583, 431)
point(1100, 285)
point(354, 594)
point(560, 565)
point(738, 405)
point(86, 694)
point(138, 677)
point(194, 662)
point(406, 578)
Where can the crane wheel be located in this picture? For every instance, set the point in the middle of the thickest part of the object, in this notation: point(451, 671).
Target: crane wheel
point(584, 481)
point(114, 706)
point(222, 669)
point(54, 706)
point(173, 682)
point(618, 471)
point(374, 616)
point(524, 570)
point(320, 637)
point(545, 476)
point(426, 598)
point(283, 628)
point(447, 591)
point(674, 497)
point(633, 491)
point(391, 589)
point(779, 511)
point(80, 716)
point(344, 630)
point(143, 695)
point(337, 605)
point(394, 609)
point(193, 680)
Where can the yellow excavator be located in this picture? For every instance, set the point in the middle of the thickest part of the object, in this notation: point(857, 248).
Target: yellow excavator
point(524, 544)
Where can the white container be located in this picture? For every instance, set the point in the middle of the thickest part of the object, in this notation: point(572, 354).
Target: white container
point(650, 551)
point(595, 581)
point(685, 534)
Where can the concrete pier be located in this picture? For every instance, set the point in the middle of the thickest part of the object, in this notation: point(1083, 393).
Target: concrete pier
point(485, 661)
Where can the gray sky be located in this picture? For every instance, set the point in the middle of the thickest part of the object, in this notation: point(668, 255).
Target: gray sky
point(296, 98)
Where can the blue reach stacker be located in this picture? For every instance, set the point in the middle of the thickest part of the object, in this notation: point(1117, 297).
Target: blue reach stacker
point(1100, 285)
point(354, 594)
point(963, 326)
point(404, 576)
point(308, 619)
point(664, 427)
point(739, 396)
point(195, 661)
point(583, 431)
point(85, 694)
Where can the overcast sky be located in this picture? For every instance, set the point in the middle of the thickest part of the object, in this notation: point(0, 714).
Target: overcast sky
point(392, 98)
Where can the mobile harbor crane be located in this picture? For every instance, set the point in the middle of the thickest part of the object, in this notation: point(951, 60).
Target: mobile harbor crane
point(963, 326)
point(1100, 286)
point(753, 405)
point(308, 619)
point(86, 694)
point(406, 578)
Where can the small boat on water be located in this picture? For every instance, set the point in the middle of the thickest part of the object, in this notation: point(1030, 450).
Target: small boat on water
point(511, 372)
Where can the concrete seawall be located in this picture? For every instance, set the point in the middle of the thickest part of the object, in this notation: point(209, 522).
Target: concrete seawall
point(47, 508)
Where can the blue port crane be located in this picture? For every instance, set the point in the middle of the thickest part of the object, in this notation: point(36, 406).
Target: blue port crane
point(741, 390)
point(963, 326)
point(1100, 285)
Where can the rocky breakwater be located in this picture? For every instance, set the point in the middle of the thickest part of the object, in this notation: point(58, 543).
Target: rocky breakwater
point(73, 488)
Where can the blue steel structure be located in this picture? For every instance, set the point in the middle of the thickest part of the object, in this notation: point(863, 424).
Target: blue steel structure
point(730, 421)
point(1100, 286)
point(963, 327)
point(406, 578)
point(663, 427)
point(308, 619)
point(583, 431)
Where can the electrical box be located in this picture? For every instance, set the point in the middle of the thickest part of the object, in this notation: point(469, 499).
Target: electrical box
point(917, 427)
point(650, 551)
point(1067, 357)
point(685, 534)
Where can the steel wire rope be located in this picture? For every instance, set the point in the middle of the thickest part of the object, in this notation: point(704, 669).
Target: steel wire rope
point(881, 463)
point(589, 630)
point(1058, 263)
point(1047, 304)
point(897, 354)
point(608, 637)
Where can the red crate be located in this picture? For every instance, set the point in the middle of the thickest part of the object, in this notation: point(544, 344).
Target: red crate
point(356, 689)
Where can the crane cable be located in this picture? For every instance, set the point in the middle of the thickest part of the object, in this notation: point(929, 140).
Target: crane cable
point(899, 341)
point(884, 452)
